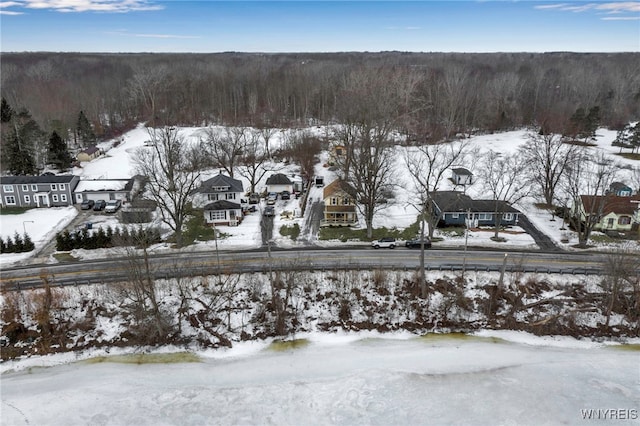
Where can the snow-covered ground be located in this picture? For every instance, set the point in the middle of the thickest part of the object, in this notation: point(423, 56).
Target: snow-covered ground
point(42, 225)
point(364, 378)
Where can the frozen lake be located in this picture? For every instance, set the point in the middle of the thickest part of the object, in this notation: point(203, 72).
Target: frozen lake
point(366, 381)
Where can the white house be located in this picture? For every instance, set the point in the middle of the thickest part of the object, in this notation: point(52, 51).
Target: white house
point(106, 189)
point(218, 188)
point(223, 212)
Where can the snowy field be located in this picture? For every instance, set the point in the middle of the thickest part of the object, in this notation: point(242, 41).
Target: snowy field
point(338, 379)
point(42, 225)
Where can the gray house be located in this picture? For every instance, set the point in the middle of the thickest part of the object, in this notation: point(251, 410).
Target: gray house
point(461, 176)
point(37, 191)
point(218, 188)
point(453, 209)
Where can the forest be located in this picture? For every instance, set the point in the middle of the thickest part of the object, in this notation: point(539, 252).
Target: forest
point(435, 95)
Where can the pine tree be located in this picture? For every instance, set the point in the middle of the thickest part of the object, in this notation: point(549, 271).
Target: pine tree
point(58, 154)
point(18, 243)
point(3, 246)
point(17, 159)
point(10, 246)
point(591, 123)
point(6, 112)
point(28, 243)
point(84, 131)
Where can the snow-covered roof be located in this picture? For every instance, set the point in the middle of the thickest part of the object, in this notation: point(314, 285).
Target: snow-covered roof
point(221, 183)
point(104, 185)
point(222, 205)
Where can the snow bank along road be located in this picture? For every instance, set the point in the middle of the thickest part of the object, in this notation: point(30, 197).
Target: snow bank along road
point(208, 263)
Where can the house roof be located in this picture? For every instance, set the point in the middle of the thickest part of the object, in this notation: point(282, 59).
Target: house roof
point(222, 205)
point(278, 179)
point(97, 185)
point(221, 180)
point(462, 171)
point(616, 186)
point(337, 185)
point(456, 202)
point(11, 180)
point(90, 150)
point(612, 203)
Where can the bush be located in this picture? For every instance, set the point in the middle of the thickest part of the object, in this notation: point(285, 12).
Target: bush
point(292, 231)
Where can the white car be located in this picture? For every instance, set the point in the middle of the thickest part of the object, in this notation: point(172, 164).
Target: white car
point(112, 206)
point(387, 242)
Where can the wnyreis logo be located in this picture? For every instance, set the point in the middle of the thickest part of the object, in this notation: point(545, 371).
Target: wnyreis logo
point(609, 414)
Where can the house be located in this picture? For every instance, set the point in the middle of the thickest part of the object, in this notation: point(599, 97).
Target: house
point(279, 182)
point(89, 154)
point(454, 207)
point(37, 191)
point(339, 205)
point(610, 212)
point(223, 212)
point(461, 176)
point(337, 154)
point(218, 188)
point(107, 189)
point(620, 189)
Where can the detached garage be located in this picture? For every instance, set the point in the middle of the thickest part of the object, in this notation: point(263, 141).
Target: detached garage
point(105, 189)
point(278, 183)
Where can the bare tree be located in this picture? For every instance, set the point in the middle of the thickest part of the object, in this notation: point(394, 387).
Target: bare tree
point(585, 184)
point(503, 176)
point(303, 149)
point(252, 164)
point(172, 169)
point(225, 148)
point(548, 158)
point(147, 83)
point(622, 282)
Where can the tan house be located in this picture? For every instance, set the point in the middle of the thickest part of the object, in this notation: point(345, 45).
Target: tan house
point(339, 206)
point(612, 212)
point(89, 154)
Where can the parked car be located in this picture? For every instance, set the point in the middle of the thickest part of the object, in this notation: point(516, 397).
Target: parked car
point(285, 195)
point(87, 204)
point(269, 211)
point(271, 198)
point(386, 242)
point(112, 206)
point(254, 198)
point(99, 205)
point(417, 242)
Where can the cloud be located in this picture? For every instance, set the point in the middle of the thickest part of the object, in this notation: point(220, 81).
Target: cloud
point(608, 7)
point(621, 18)
point(128, 34)
point(114, 6)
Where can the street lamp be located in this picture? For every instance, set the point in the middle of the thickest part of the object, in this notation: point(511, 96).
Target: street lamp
point(24, 228)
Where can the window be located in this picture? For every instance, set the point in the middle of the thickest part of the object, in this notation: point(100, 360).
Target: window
point(220, 188)
point(212, 197)
point(25, 187)
point(63, 197)
point(54, 187)
point(455, 215)
point(230, 196)
point(54, 197)
point(346, 201)
point(27, 199)
point(507, 216)
point(7, 188)
point(624, 220)
point(334, 201)
point(34, 187)
point(10, 200)
point(61, 187)
point(485, 216)
point(217, 215)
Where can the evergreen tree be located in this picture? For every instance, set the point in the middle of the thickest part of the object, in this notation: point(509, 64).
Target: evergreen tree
point(591, 123)
point(109, 236)
point(18, 243)
point(6, 112)
point(84, 131)
point(3, 246)
point(634, 139)
point(16, 158)
point(28, 243)
point(58, 154)
point(10, 246)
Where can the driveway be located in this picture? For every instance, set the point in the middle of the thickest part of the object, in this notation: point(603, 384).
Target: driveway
point(542, 240)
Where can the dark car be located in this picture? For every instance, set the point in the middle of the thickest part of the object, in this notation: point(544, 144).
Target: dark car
point(269, 211)
point(99, 205)
point(417, 242)
point(87, 204)
point(285, 195)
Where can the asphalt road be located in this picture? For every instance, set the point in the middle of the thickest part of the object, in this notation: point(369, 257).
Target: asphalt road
point(208, 263)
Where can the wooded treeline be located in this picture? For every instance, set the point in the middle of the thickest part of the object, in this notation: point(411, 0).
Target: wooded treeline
point(445, 93)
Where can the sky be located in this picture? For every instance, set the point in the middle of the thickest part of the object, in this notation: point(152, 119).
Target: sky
point(318, 26)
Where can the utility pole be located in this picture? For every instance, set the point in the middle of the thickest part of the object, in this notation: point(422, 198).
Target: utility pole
point(466, 239)
point(423, 282)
